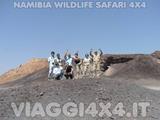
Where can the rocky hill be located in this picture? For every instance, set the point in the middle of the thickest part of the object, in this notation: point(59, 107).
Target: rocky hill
point(30, 67)
point(29, 83)
point(120, 65)
point(141, 67)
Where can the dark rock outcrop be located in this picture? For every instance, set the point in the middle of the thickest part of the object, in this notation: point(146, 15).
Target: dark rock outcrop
point(156, 54)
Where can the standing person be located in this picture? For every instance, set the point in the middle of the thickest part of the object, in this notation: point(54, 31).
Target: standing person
point(51, 60)
point(86, 65)
point(68, 67)
point(77, 61)
point(96, 56)
point(59, 60)
point(68, 59)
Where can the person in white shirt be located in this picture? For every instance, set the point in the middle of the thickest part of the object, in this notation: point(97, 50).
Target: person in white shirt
point(51, 61)
point(59, 60)
point(57, 72)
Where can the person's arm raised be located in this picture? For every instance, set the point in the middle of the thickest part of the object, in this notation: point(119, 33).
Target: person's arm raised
point(91, 52)
point(101, 52)
point(65, 55)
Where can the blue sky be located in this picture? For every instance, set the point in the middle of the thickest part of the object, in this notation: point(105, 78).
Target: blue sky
point(31, 33)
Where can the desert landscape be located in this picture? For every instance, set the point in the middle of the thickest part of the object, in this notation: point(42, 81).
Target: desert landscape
point(126, 78)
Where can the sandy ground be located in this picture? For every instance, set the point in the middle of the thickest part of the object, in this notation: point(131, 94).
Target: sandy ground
point(103, 90)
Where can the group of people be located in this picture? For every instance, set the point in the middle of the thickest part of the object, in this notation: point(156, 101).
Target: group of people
point(74, 66)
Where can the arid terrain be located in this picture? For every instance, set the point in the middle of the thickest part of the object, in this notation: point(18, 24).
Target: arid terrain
point(129, 79)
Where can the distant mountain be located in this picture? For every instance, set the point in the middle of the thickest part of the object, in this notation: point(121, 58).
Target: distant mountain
point(32, 66)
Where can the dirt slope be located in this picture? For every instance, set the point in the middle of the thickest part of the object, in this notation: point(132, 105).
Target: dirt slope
point(143, 66)
point(102, 90)
point(32, 66)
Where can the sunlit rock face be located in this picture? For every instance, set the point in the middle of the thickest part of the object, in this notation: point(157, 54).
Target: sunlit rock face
point(32, 66)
